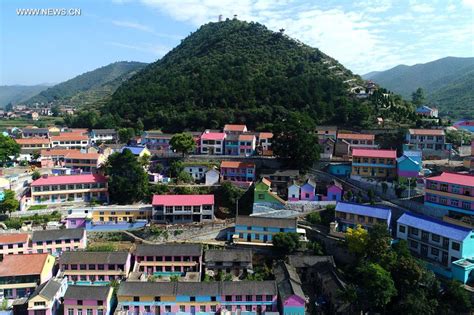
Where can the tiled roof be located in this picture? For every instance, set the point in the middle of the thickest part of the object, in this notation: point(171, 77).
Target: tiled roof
point(265, 135)
point(13, 238)
point(426, 132)
point(169, 249)
point(48, 289)
point(82, 156)
point(371, 211)
point(355, 136)
point(249, 288)
point(237, 164)
point(435, 226)
point(104, 131)
point(213, 136)
point(288, 281)
point(87, 292)
point(389, 154)
point(453, 178)
point(228, 255)
point(268, 222)
point(36, 130)
point(230, 127)
point(51, 152)
point(94, 257)
point(303, 261)
point(70, 179)
point(60, 234)
point(70, 136)
point(32, 141)
point(183, 200)
point(134, 150)
point(245, 137)
point(23, 265)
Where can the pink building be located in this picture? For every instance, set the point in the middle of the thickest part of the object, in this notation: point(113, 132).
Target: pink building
point(183, 208)
point(239, 173)
point(13, 244)
point(46, 299)
point(335, 192)
point(57, 241)
point(247, 144)
point(212, 143)
point(88, 300)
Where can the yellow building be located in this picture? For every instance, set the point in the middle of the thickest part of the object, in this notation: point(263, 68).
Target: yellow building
point(374, 163)
point(120, 214)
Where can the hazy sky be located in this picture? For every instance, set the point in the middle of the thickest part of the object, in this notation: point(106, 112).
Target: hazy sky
point(363, 35)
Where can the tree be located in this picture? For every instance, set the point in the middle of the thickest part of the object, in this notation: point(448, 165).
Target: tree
point(128, 181)
point(348, 195)
point(36, 155)
point(455, 299)
point(183, 142)
point(55, 111)
point(294, 139)
point(9, 202)
point(125, 134)
point(144, 160)
point(184, 177)
point(418, 97)
point(175, 168)
point(357, 240)
point(156, 167)
point(380, 250)
point(35, 175)
point(286, 242)
point(230, 195)
point(9, 107)
point(377, 286)
point(415, 303)
point(8, 147)
point(314, 218)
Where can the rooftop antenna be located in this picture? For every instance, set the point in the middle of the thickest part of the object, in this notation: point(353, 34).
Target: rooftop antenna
point(235, 16)
point(220, 17)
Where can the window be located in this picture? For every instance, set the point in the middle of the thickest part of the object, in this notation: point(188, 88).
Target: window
point(157, 298)
point(228, 298)
point(259, 298)
point(79, 302)
point(100, 302)
point(192, 298)
point(70, 311)
point(413, 231)
point(202, 308)
point(249, 298)
point(455, 246)
point(269, 297)
point(435, 238)
point(248, 308)
point(238, 298)
point(401, 229)
point(434, 251)
point(168, 308)
point(213, 308)
point(213, 298)
point(89, 311)
point(413, 244)
point(182, 308)
point(136, 299)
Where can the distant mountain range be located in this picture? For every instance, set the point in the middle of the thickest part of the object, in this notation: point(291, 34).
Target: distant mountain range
point(18, 93)
point(90, 88)
point(447, 82)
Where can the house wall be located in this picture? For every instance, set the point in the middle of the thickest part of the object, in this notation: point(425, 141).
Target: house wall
point(59, 246)
point(17, 248)
point(308, 192)
point(294, 193)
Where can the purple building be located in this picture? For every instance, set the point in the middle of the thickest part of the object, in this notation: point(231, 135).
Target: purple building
point(335, 192)
point(308, 191)
point(291, 298)
point(88, 300)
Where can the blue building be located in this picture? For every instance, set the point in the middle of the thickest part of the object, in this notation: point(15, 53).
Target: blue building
point(447, 248)
point(409, 164)
point(231, 144)
point(260, 230)
point(340, 169)
point(349, 215)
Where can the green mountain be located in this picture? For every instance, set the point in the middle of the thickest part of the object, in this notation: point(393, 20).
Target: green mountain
point(447, 82)
point(235, 71)
point(18, 93)
point(90, 88)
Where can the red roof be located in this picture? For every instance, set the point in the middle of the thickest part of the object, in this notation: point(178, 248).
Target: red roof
point(236, 164)
point(79, 155)
point(70, 136)
point(213, 136)
point(426, 132)
point(23, 265)
point(183, 200)
point(230, 127)
point(32, 141)
point(70, 179)
point(246, 137)
point(453, 178)
point(389, 154)
point(13, 238)
point(265, 135)
point(355, 136)
point(51, 152)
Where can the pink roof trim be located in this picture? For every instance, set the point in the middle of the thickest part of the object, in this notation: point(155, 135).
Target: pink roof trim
point(183, 200)
point(70, 179)
point(389, 154)
point(453, 178)
point(213, 136)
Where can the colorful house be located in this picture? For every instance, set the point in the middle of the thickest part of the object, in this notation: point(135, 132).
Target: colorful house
point(294, 192)
point(11, 244)
point(239, 173)
point(358, 140)
point(264, 143)
point(70, 188)
point(21, 274)
point(55, 157)
point(212, 143)
point(427, 111)
point(431, 142)
point(94, 268)
point(335, 191)
point(410, 164)
point(291, 298)
point(88, 300)
point(447, 248)
point(103, 135)
point(77, 220)
point(255, 230)
point(235, 129)
point(327, 146)
point(340, 169)
point(467, 125)
point(157, 142)
point(34, 132)
point(46, 299)
point(308, 190)
point(264, 196)
point(326, 132)
point(32, 145)
point(236, 262)
point(108, 218)
point(168, 259)
point(85, 162)
point(57, 241)
point(247, 144)
point(138, 151)
point(231, 144)
point(183, 208)
point(374, 163)
point(349, 215)
point(70, 140)
point(451, 192)
point(173, 298)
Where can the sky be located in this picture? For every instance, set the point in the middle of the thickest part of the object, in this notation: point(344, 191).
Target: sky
point(363, 35)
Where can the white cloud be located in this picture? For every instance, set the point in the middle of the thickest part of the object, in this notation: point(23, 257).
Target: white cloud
point(468, 3)
point(133, 25)
point(156, 50)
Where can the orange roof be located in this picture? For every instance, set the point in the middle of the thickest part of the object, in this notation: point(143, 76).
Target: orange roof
point(265, 135)
point(355, 136)
point(70, 136)
point(80, 155)
point(23, 265)
point(427, 132)
point(246, 137)
point(57, 152)
point(32, 141)
point(229, 127)
point(236, 164)
point(389, 154)
point(13, 238)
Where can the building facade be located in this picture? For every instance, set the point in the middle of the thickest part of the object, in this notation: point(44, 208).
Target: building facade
point(55, 242)
point(183, 208)
point(431, 142)
point(32, 145)
point(88, 300)
point(374, 163)
point(70, 140)
point(103, 135)
point(349, 215)
point(239, 173)
point(12, 244)
point(212, 143)
point(85, 162)
point(46, 299)
point(236, 262)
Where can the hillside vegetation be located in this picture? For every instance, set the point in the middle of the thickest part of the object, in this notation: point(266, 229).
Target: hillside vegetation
point(90, 88)
point(18, 93)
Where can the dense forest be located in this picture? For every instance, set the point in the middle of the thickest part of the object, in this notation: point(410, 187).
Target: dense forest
point(90, 88)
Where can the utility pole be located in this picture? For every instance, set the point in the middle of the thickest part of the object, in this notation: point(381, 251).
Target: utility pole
point(409, 186)
point(237, 209)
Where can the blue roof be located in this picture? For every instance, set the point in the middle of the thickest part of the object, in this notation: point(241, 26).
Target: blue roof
point(135, 150)
point(371, 211)
point(424, 109)
point(435, 226)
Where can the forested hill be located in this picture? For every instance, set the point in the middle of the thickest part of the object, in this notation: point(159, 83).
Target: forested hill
point(91, 87)
point(235, 71)
point(447, 82)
